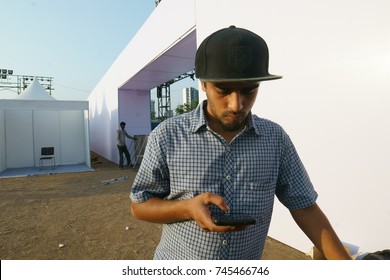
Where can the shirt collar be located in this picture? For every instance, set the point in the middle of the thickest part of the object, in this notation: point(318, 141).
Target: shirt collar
point(199, 120)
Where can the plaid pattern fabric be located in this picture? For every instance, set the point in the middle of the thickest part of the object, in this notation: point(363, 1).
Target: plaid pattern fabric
point(184, 158)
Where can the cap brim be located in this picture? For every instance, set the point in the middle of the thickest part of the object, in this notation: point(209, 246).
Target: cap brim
point(260, 79)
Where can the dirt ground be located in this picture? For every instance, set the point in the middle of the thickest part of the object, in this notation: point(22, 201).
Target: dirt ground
point(75, 216)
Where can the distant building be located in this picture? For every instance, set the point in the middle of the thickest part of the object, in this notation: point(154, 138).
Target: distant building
point(169, 114)
point(190, 95)
point(152, 107)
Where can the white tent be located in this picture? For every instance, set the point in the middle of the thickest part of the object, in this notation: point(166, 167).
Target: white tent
point(35, 91)
point(34, 120)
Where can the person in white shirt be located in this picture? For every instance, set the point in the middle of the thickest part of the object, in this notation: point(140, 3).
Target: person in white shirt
point(121, 135)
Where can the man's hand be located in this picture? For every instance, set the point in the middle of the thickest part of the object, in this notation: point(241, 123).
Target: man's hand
point(200, 212)
point(157, 210)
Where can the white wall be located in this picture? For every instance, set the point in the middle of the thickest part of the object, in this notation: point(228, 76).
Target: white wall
point(134, 110)
point(333, 101)
point(72, 135)
point(158, 34)
point(3, 162)
point(19, 138)
point(103, 120)
point(65, 131)
point(46, 133)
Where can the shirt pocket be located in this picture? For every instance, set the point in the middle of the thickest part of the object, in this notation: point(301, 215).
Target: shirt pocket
point(256, 199)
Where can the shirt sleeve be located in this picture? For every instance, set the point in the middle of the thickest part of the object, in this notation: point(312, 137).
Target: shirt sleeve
point(152, 179)
point(127, 135)
point(294, 188)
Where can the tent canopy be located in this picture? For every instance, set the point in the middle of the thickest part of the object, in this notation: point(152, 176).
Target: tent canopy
point(35, 91)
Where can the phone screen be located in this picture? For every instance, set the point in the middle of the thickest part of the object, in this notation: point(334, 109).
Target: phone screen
point(233, 219)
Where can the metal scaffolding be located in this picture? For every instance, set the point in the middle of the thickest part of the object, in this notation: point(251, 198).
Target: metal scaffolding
point(164, 95)
point(20, 82)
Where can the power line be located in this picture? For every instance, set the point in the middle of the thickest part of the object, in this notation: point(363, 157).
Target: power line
point(83, 90)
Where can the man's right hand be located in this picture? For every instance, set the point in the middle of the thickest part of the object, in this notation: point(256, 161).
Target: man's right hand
point(200, 212)
point(157, 210)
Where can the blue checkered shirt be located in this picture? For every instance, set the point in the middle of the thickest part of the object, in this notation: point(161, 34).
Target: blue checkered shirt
point(184, 158)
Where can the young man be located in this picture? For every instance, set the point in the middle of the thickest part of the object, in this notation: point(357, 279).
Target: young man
point(222, 158)
point(121, 135)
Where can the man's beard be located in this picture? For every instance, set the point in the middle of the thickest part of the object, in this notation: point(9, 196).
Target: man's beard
point(232, 126)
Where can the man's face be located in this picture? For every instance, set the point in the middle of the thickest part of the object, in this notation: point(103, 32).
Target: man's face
point(229, 103)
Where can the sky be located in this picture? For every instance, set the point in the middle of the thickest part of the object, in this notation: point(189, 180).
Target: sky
point(73, 41)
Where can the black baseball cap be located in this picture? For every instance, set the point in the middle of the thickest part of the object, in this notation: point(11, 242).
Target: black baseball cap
point(233, 54)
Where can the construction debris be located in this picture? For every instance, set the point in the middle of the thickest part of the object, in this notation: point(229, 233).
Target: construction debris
point(115, 180)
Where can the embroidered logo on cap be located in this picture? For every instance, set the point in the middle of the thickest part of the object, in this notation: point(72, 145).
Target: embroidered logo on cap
point(240, 58)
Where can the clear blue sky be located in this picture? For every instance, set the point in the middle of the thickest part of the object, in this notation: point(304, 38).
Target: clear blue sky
point(73, 41)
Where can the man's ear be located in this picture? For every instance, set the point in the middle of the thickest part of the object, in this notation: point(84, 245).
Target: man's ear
point(204, 86)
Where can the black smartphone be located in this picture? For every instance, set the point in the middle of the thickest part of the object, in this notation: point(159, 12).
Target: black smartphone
point(233, 219)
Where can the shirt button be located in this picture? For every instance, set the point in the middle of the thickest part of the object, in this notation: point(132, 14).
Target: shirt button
point(228, 177)
point(224, 242)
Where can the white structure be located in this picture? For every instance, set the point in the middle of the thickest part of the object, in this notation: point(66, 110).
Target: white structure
point(34, 120)
point(333, 100)
point(35, 91)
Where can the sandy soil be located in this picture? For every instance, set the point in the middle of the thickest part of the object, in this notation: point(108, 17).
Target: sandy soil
point(76, 216)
